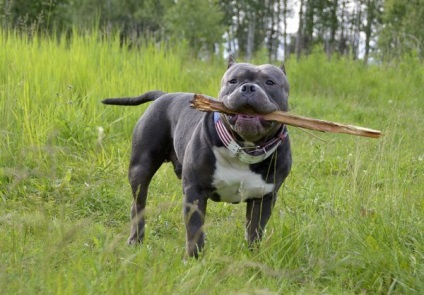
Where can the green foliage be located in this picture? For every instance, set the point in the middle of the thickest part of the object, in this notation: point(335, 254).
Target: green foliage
point(198, 22)
point(33, 16)
point(402, 33)
point(387, 28)
point(349, 218)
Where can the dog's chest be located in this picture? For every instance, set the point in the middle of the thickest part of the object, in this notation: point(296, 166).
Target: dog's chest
point(234, 181)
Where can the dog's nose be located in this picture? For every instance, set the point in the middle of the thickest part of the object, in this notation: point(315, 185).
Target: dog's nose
point(248, 88)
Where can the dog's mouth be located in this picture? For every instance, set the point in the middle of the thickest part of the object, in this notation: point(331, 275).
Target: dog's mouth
point(249, 127)
point(245, 119)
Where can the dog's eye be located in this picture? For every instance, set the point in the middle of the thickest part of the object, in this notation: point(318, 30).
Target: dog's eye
point(233, 81)
point(270, 82)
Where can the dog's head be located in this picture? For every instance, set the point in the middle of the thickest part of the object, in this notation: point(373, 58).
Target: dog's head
point(252, 90)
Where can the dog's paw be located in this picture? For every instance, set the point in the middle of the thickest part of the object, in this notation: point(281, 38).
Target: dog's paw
point(134, 239)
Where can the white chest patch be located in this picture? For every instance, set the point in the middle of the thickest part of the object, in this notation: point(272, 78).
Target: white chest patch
point(234, 181)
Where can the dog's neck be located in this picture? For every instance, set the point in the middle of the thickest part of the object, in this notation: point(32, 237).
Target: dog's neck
point(249, 153)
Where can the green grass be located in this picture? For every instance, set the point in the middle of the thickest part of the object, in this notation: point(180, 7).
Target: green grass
point(349, 218)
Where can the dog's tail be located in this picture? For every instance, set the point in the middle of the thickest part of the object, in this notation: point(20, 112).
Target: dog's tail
point(134, 101)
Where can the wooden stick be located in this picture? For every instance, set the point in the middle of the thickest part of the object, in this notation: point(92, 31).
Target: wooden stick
point(209, 105)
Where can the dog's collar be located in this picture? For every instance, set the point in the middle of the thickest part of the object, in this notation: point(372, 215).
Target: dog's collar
point(248, 155)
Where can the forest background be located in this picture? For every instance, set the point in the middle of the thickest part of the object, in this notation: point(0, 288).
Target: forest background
point(385, 29)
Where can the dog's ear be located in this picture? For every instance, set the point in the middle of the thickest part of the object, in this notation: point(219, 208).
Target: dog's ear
point(231, 61)
point(283, 68)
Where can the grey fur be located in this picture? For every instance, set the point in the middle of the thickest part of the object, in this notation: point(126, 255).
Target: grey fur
point(171, 131)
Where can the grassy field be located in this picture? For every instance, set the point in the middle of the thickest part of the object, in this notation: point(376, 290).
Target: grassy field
point(349, 219)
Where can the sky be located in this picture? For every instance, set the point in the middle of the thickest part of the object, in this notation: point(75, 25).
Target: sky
point(293, 22)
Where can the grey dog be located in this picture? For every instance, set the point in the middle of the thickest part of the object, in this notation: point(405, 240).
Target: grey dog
point(228, 158)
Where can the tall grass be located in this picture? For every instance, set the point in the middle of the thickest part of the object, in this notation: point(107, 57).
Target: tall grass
point(349, 219)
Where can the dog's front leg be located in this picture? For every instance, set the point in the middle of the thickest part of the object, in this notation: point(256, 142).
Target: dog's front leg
point(257, 215)
point(194, 217)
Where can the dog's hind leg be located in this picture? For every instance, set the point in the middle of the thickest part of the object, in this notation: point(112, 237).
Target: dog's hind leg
point(141, 172)
point(150, 148)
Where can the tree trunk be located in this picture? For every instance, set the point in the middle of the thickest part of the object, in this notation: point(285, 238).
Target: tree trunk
point(276, 30)
point(370, 4)
point(342, 42)
point(309, 24)
point(250, 37)
point(333, 28)
point(299, 36)
point(285, 12)
point(356, 29)
point(271, 29)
